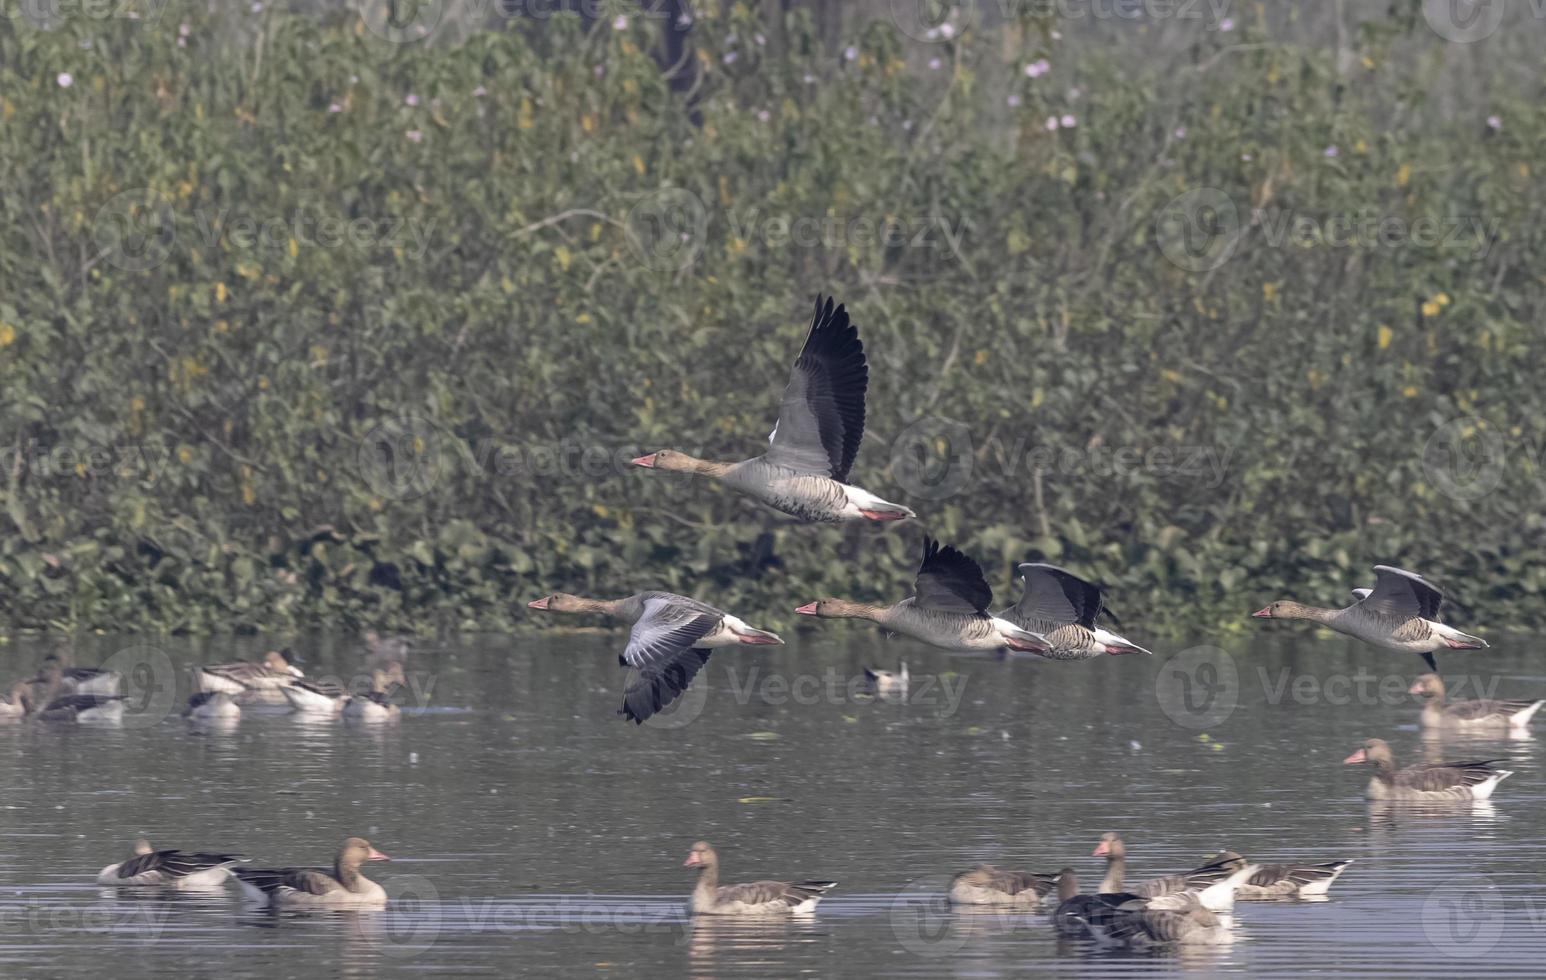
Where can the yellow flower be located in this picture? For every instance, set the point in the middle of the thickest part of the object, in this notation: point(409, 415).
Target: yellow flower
point(980, 358)
point(1410, 391)
point(1384, 334)
point(1442, 299)
point(185, 454)
point(1430, 308)
point(7, 335)
point(1269, 290)
point(1404, 175)
point(219, 292)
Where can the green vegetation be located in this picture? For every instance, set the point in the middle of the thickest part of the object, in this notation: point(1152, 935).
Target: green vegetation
point(299, 327)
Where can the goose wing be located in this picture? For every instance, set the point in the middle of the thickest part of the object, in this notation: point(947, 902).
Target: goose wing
point(949, 581)
point(313, 881)
point(1401, 595)
point(773, 892)
point(1056, 597)
point(821, 418)
point(1445, 775)
point(176, 864)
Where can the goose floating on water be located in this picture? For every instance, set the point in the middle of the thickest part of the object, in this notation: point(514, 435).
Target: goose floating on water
point(987, 885)
point(1191, 924)
point(1283, 880)
point(669, 643)
point(212, 706)
point(1470, 716)
point(1399, 613)
point(1062, 607)
point(887, 681)
point(262, 682)
point(1434, 782)
point(759, 898)
point(1214, 883)
point(78, 680)
point(948, 608)
point(812, 447)
point(170, 869)
point(344, 887)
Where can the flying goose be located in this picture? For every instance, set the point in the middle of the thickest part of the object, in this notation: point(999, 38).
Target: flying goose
point(1471, 716)
point(1214, 882)
point(948, 608)
point(262, 682)
point(669, 643)
point(317, 888)
point(1062, 607)
point(1434, 782)
point(1399, 613)
point(987, 885)
point(1283, 880)
point(804, 473)
point(170, 869)
point(709, 897)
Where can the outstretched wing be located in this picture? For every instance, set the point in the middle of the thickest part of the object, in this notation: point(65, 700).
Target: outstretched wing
point(1056, 597)
point(1400, 595)
point(821, 417)
point(666, 628)
point(655, 685)
point(949, 581)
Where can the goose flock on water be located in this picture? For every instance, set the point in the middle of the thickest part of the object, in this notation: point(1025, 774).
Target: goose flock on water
point(805, 475)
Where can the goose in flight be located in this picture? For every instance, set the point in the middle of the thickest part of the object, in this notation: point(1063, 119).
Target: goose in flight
point(669, 643)
point(1062, 607)
point(948, 608)
point(804, 473)
point(1399, 613)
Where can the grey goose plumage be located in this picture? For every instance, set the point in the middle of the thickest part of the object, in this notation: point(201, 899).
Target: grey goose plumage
point(1433, 782)
point(1479, 715)
point(170, 868)
point(757, 898)
point(813, 444)
point(1062, 607)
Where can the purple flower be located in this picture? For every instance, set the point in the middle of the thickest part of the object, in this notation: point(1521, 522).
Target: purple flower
point(1014, 101)
point(1331, 152)
point(334, 107)
point(65, 79)
point(1037, 68)
point(620, 23)
point(1494, 122)
point(850, 53)
point(479, 92)
point(412, 99)
point(414, 136)
point(1068, 122)
point(730, 57)
point(935, 64)
point(1180, 133)
point(1226, 25)
point(764, 115)
point(1051, 124)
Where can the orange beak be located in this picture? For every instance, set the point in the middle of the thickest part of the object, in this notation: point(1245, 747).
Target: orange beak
point(809, 609)
point(648, 462)
point(1262, 613)
point(1359, 756)
point(692, 860)
point(1101, 850)
point(376, 855)
point(541, 603)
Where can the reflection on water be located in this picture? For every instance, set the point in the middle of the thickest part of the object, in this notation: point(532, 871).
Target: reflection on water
point(536, 832)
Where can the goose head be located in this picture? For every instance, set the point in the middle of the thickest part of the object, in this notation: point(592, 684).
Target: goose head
point(1429, 687)
point(701, 856)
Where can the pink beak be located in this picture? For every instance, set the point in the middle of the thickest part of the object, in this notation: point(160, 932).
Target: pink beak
point(376, 855)
point(1416, 688)
point(647, 462)
point(1359, 756)
point(1262, 613)
point(1101, 850)
point(541, 603)
point(809, 609)
point(692, 860)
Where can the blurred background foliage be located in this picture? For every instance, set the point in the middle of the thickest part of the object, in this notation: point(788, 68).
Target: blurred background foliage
point(300, 327)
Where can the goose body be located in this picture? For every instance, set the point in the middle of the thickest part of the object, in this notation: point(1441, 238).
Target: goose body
point(316, 697)
point(170, 869)
point(987, 885)
point(948, 608)
point(887, 681)
point(669, 642)
point(1480, 715)
point(1214, 883)
point(1062, 607)
point(342, 887)
point(812, 447)
point(1399, 613)
point(1271, 881)
point(1072, 915)
point(84, 708)
point(759, 898)
point(13, 706)
point(262, 682)
point(1441, 782)
point(1190, 924)
point(79, 680)
point(371, 708)
point(212, 706)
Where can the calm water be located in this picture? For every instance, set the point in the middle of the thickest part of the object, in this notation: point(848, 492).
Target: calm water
point(532, 829)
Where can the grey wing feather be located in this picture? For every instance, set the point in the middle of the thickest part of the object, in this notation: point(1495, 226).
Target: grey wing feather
point(1401, 595)
point(1055, 597)
point(949, 581)
point(821, 417)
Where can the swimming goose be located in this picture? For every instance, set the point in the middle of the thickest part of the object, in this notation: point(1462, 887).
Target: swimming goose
point(669, 643)
point(1435, 782)
point(170, 869)
point(317, 888)
point(987, 885)
point(212, 706)
point(327, 696)
point(709, 897)
point(804, 473)
point(1192, 924)
point(14, 705)
point(1283, 880)
point(1073, 912)
point(1214, 883)
point(887, 681)
point(89, 708)
point(1471, 716)
point(375, 705)
point(78, 680)
point(1062, 607)
point(262, 682)
point(948, 608)
point(1400, 613)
